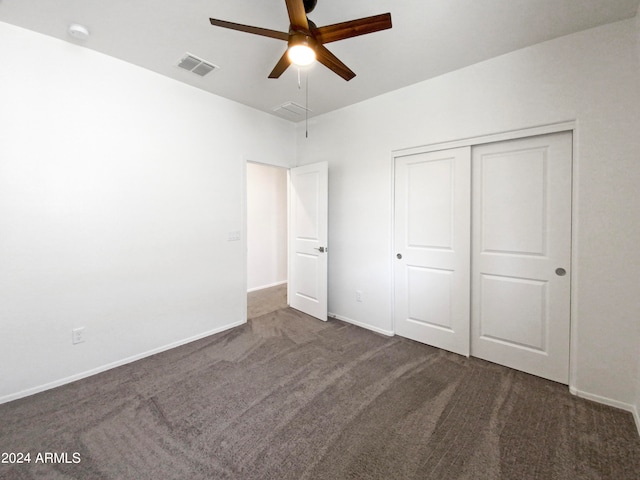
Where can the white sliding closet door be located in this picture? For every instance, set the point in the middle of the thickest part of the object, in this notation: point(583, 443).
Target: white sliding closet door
point(432, 248)
point(483, 246)
point(521, 254)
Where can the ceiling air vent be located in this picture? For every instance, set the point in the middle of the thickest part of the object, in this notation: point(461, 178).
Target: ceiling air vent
point(292, 110)
point(196, 65)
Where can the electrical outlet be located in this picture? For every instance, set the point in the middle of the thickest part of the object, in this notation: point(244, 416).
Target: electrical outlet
point(358, 295)
point(77, 335)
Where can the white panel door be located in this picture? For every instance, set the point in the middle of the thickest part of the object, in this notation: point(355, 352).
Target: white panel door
point(307, 289)
point(521, 251)
point(432, 243)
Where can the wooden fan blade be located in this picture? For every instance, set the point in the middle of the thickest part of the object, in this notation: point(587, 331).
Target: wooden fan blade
point(281, 66)
point(265, 32)
point(353, 28)
point(297, 15)
point(332, 62)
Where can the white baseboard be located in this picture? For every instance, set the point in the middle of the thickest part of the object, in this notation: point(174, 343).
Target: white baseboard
point(266, 286)
point(119, 363)
point(610, 402)
point(600, 399)
point(362, 325)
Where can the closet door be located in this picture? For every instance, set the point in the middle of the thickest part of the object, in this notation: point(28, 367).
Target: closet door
point(432, 243)
point(521, 251)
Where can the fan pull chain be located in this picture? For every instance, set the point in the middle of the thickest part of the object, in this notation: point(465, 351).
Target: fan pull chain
point(306, 101)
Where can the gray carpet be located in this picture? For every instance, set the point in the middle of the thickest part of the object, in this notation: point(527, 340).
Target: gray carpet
point(266, 300)
point(289, 397)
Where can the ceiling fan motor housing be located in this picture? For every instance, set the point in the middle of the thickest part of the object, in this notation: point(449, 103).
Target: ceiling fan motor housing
point(309, 5)
point(302, 39)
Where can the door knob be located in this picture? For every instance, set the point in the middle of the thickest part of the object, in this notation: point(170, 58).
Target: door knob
point(399, 256)
point(561, 272)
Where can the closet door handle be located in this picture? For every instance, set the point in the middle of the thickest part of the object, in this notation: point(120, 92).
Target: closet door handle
point(561, 272)
point(399, 256)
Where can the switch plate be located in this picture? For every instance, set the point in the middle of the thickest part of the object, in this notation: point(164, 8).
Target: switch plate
point(77, 335)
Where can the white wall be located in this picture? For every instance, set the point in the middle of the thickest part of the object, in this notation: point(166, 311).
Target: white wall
point(592, 77)
point(118, 188)
point(266, 226)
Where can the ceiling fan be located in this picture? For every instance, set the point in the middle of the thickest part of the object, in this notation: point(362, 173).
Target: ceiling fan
point(306, 40)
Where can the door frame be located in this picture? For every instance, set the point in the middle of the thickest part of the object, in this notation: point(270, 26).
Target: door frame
point(244, 225)
point(566, 126)
point(243, 234)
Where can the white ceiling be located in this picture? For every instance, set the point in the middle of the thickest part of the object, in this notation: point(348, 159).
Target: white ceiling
point(428, 38)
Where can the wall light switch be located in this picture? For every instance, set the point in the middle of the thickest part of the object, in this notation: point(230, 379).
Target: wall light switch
point(77, 335)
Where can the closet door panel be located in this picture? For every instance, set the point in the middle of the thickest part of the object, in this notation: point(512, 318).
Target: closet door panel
point(521, 237)
point(431, 264)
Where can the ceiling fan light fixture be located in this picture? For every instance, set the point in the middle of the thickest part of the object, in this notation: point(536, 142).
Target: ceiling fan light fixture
point(301, 55)
point(301, 50)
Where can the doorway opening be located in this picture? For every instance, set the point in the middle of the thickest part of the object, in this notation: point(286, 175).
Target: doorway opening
point(267, 233)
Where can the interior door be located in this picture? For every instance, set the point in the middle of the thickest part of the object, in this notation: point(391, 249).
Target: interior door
point(432, 244)
point(308, 239)
point(521, 254)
